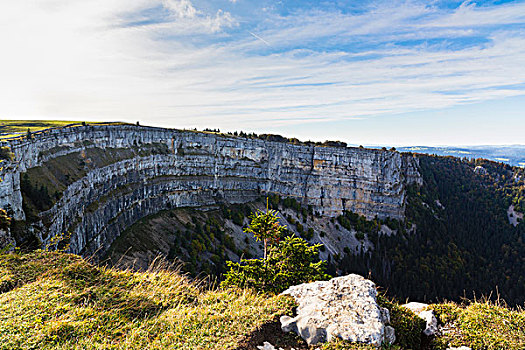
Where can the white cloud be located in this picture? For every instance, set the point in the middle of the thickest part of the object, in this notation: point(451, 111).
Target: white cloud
point(184, 10)
point(77, 60)
point(181, 8)
point(468, 14)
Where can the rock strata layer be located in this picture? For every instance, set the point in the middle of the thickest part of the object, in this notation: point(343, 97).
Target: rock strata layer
point(344, 307)
point(195, 169)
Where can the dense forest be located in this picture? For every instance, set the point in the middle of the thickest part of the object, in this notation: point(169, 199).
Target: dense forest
point(457, 240)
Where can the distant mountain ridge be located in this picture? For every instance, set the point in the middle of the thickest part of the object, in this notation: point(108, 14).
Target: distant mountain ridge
point(512, 154)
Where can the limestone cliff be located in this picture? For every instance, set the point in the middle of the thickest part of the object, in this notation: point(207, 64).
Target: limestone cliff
point(127, 172)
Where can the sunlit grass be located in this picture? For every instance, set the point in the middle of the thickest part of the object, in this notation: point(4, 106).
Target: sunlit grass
point(52, 300)
point(14, 128)
point(482, 325)
point(59, 301)
point(10, 128)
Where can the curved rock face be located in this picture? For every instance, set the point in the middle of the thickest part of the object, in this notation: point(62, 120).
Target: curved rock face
point(196, 169)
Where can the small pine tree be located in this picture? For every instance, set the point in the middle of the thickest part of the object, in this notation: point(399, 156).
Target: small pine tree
point(266, 228)
point(293, 261)
point(286, 262)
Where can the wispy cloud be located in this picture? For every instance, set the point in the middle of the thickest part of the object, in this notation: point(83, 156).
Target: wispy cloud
point(188, 63)
point(259, 38)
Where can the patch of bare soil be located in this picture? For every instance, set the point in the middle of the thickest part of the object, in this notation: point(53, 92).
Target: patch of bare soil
point(272, 333)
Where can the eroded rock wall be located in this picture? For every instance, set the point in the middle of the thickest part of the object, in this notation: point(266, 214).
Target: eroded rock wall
point(198, 169)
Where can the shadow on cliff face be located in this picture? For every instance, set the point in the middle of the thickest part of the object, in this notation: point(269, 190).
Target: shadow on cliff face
point(271, 332)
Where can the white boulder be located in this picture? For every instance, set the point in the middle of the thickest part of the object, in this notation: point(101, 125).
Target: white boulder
point(344, 307)
point(428, 315)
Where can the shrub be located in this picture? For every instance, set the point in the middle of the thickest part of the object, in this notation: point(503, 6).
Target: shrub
point(309, 234)
point(5, 220)
point(6, 154)
point(238, 218)
point(292, 261)
point(360, 235)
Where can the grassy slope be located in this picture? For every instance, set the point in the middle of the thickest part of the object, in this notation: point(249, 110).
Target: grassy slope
point(51, 300)
point(481, 325)
point(10, 128)
point(61, 301)
point(15, 127)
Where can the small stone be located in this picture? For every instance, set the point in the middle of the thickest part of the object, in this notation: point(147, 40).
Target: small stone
point(431, 320)
point(415, 307)
point(428, 315)
point(266, 346)
point(390, 335)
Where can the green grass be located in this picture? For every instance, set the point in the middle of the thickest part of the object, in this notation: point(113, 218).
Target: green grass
point(10, 128)
point(13, 128)
point(481, 325)
point(52, 300)
point(60, 301)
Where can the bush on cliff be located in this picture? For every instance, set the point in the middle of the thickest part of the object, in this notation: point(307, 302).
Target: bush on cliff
point(6, 154)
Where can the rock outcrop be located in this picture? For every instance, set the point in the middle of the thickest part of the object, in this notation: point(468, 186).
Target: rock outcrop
point(421, 310)
point(514, 217)
point(194, 169)
point(344, 307)
point(5, 239)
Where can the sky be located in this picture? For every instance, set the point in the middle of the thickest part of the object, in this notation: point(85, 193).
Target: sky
point(364, 72)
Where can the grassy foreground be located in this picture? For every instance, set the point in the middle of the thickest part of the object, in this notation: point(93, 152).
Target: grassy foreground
point(52, 300)
point(59, 301)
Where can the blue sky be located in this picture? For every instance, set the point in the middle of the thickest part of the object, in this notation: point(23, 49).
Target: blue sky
point(365, 72)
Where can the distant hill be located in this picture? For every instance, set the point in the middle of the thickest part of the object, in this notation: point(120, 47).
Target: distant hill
point(513, 155)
